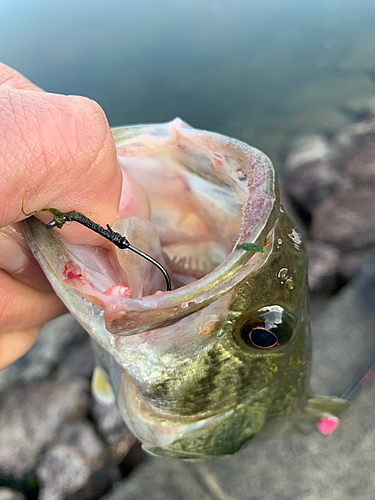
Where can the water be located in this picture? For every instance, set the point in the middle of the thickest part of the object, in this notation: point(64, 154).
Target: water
point(260, 71)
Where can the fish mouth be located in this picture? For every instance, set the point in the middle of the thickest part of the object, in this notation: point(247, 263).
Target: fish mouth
point(199, 184)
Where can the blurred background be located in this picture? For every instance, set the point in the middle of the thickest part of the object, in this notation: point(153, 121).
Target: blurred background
point(295, 78)
point(259, 71)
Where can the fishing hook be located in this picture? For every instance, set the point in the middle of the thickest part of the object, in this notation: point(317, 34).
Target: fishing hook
point(117, 239)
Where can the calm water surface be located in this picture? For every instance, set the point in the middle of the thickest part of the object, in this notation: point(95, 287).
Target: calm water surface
point(263, 71)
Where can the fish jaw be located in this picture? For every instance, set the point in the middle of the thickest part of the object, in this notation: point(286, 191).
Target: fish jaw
point(193, 437)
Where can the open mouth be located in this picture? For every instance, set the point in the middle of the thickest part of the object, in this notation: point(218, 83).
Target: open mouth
point(208, 193)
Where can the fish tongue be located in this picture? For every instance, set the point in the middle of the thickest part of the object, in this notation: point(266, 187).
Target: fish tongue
point(142, 277)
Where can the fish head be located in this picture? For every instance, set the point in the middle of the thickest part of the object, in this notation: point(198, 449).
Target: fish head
point(201, 370)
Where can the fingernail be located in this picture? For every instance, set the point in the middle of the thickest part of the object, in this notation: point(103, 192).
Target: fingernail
point(134, 201)
point(12, 257)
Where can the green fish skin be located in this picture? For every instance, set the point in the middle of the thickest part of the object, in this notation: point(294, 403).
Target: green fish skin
point(225, 356)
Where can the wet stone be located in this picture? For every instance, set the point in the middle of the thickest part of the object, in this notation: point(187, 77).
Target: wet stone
point(112, 429)
point(8, 494)
point(310, 184)
point(56, 341)
point(79, 363)
point(344, 335)
point(62, 472)
point(323, 262)
point(360, 165)
point(161, 479)
point(347, 220)
point(307, 150)
point(352, 262)
point(31, 416)
point(76, 466)
point(356, 136)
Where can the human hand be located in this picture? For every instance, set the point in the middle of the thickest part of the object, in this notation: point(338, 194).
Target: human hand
point(55, 151)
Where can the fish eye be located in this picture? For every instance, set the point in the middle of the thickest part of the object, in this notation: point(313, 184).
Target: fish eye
point(266, 332)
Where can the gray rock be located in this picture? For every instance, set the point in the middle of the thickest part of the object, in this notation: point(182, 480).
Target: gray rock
point(360, 165)
point(340, 467)
point(306, 150)
point(344, 336)
point(31, 418)
point(63, 471)
point(77, 466)
point(351, 263)
point(79, 363)
point(347, 220)
point(161, 479)
point(8, 494)
point(55, 341)
point(323, 261)
point(355, 136)
point(112, 429)
point(313, 182)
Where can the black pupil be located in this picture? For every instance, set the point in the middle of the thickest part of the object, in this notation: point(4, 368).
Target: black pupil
point(262, 338)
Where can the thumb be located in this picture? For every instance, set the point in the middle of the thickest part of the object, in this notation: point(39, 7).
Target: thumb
point(57, 151)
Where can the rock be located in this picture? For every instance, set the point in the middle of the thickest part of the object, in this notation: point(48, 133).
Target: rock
point(357, 135)
point(360, 165)
point(8, 494)
point(355, 149)
point(112, 429)
point(32, 416)
point(352, 262)
point(347, 220)
point(79, 363)
point(323, 263)
point(307, 150)
point(344, 336)
point(77, 466)
point(311, 183)
point(162, 479)
point(62, 472)
point(55, 341)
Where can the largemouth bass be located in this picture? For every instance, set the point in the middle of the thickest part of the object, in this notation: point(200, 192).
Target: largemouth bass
point(201, 370)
